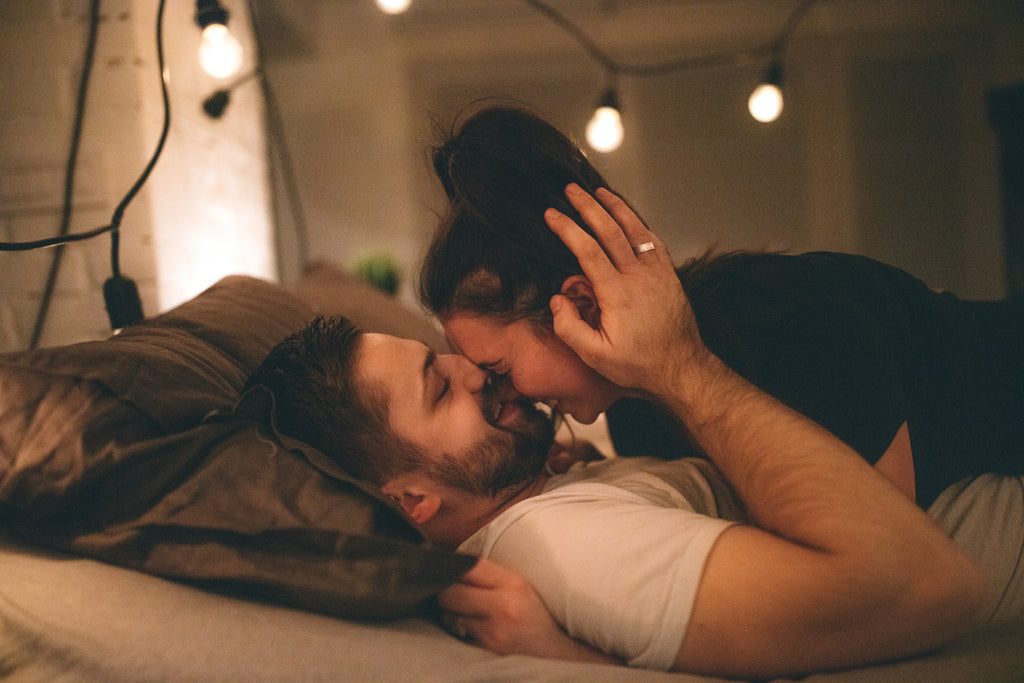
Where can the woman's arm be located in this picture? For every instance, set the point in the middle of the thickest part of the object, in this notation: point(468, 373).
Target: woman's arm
point(843, 569)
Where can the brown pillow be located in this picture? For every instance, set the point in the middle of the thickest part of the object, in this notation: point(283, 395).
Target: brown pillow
point(330, 291)
point(136, 450)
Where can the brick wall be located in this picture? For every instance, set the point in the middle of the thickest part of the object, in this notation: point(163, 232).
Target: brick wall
point(202, 214)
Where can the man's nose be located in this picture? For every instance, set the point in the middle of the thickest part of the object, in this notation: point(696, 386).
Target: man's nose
point(467, 373)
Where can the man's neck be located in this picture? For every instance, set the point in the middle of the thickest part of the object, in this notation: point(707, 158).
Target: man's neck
point(464, 514)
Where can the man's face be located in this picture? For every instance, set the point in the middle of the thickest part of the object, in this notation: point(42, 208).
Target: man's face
point(444, 405)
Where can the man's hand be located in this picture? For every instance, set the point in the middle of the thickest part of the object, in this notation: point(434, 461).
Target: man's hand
point(499, 609)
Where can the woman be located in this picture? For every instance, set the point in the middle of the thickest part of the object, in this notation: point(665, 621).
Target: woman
point(839, 568)
point(862, 348)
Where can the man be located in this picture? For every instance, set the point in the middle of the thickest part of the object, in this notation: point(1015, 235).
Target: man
point(634, 557)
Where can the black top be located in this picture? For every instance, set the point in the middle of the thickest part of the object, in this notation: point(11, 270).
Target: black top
point(860, 347)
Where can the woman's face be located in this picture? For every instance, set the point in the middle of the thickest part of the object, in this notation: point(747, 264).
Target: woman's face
point(542, 367)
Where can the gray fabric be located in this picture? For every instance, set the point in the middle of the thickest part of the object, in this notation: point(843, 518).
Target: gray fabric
point(985, 516)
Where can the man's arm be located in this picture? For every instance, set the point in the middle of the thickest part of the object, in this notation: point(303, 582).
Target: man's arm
point(843, 570)
point(503, 613)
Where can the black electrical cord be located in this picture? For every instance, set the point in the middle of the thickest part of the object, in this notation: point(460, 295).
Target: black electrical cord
point(115, 220)
point(659, 68)
point(279, 142)
point(69, 178)
point(120, 294)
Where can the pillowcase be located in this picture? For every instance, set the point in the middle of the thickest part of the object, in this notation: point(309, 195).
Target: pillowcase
point(137, 450)
point(68, 413)
point(330, 291)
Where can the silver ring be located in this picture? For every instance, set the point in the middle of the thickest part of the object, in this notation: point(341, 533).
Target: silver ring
point(641, 248)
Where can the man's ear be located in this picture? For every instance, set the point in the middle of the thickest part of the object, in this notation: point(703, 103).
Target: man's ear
point(419, 502)
point(580, 292)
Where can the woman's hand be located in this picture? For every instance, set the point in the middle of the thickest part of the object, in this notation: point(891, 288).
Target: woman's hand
point(562, 456)
point(646, 329)
point(499, 609)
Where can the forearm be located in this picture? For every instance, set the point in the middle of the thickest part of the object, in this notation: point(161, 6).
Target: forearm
point(885, 582)
point(795, 477)
point(840, 568)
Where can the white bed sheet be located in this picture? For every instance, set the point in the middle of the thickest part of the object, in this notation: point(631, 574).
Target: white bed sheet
point(71, 619)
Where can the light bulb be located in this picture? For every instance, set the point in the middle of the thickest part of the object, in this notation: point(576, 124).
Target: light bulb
point(220, 53)
point(765, 102)
point(604, 131)
point(393, 6)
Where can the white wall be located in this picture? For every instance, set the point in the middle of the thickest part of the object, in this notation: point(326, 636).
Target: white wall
point(855, 164)
point(884, 148)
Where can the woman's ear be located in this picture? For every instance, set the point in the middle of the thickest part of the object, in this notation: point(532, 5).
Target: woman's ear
point(580, 292)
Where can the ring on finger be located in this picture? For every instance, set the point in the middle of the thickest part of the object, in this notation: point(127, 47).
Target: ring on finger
point(641, 248)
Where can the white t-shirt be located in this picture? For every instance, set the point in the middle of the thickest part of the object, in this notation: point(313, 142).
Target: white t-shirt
point(616, 550)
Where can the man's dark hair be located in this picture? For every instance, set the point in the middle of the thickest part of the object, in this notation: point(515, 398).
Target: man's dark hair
point(318, 401)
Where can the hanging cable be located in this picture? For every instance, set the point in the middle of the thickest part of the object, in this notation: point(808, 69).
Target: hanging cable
point(279, 142)
point(615, 67)
point(120, 294)
point(115, 220)
point(69, 178)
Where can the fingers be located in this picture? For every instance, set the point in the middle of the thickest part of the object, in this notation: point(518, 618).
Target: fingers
point(588, 252)
point(492, 606)
point(636, 232)
point(615, 236)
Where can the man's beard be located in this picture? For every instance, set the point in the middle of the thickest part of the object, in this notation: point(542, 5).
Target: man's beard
point(509, 457)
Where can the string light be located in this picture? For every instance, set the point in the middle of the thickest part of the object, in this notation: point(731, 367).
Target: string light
point(393, 6)
point(765, 103)
point(605, 131)
point(220, 53)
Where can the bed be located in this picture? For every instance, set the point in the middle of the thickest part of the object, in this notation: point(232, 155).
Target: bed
point(154, 530)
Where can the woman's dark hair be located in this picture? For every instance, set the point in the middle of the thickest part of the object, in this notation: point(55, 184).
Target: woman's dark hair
point(311, 375)
point(493, 254)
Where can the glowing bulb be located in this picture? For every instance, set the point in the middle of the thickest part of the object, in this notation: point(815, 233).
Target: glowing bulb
point(393, 6)
point(220, 53)
point(604, 131)
point(765, 102)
